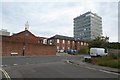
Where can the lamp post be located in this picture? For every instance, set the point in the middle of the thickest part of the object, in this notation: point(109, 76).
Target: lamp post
point(24, 44)
point(23, 50)
point(25, 35)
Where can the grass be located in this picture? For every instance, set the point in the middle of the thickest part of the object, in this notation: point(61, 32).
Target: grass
point(109, 61)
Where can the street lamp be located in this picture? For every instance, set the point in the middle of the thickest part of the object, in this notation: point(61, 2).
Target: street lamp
point(25, 35)
point(23, 50)
point(24, 44)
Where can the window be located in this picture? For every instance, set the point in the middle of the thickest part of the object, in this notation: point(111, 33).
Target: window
point(81, 43)
point(63, 41)
point(68, 47)
point(68, 42)
point(73, 42)
point(84, 43)
point(85, 29)
point(58, 40)
point(50, 42)
point(44, 41)
point(87, 44)
point(63, 48)
point(57, 47)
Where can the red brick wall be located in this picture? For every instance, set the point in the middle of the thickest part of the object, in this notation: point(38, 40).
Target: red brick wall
point(71, 45)
point(78, 44)
point(16, 42)
point(55, 43)
point(67, 44)
point(30, 49)
point(62, 44)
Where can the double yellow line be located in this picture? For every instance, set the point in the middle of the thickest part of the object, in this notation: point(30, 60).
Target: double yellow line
point(5, 73)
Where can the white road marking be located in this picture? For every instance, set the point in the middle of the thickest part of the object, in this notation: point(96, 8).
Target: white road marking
point(3, 65)
point(6, 74)
point(102, 71)
point(108, 72)
point(15, 64)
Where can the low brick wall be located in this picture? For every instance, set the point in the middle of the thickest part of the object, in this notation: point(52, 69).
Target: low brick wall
point(30, 49)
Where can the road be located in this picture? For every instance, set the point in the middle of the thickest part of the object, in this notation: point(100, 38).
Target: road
point(49, 67)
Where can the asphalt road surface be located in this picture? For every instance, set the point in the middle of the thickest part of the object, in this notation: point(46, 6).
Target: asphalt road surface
point(49, 67)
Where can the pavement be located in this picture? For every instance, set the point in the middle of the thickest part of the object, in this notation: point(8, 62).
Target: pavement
point(62, 54)
point(94, 67)
point(89, 65)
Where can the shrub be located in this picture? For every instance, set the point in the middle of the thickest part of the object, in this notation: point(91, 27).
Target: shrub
point(65, 51)
point(72, 53)
point(83, 50)
point(114, 56)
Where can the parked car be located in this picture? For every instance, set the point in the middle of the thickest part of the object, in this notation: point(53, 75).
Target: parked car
point(61, 50)
point(98, 52)
point(71, 50)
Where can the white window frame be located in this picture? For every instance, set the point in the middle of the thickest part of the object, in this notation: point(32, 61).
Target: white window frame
point(63, 41)
point(44, 41)
point(58, 41)
point(58, 47)
point(63, 48)
point(68, 47)
point(73, 42)
point(81, 43)
point(84, 43)
point(68, 42)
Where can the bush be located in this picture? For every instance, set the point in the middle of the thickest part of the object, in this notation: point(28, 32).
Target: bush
point(72, 53)
point(65, 51)
point(83, 50)
point(114, 56)
point(109, 61)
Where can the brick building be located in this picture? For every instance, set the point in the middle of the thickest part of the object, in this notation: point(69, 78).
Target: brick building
point(65, 43)
point(24, 44)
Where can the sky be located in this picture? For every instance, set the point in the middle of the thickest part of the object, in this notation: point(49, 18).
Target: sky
point(47, 18)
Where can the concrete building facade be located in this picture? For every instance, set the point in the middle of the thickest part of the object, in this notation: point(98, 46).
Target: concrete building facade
point(87, 26)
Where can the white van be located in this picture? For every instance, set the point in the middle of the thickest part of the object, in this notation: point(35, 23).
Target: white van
point(98, 52)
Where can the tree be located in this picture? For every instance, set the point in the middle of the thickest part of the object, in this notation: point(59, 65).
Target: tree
point(99, 42)
point(114, 45)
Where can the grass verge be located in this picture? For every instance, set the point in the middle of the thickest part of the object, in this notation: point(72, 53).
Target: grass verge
point(109, 61)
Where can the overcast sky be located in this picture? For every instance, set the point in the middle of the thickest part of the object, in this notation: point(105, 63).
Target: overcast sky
point(50, 17)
